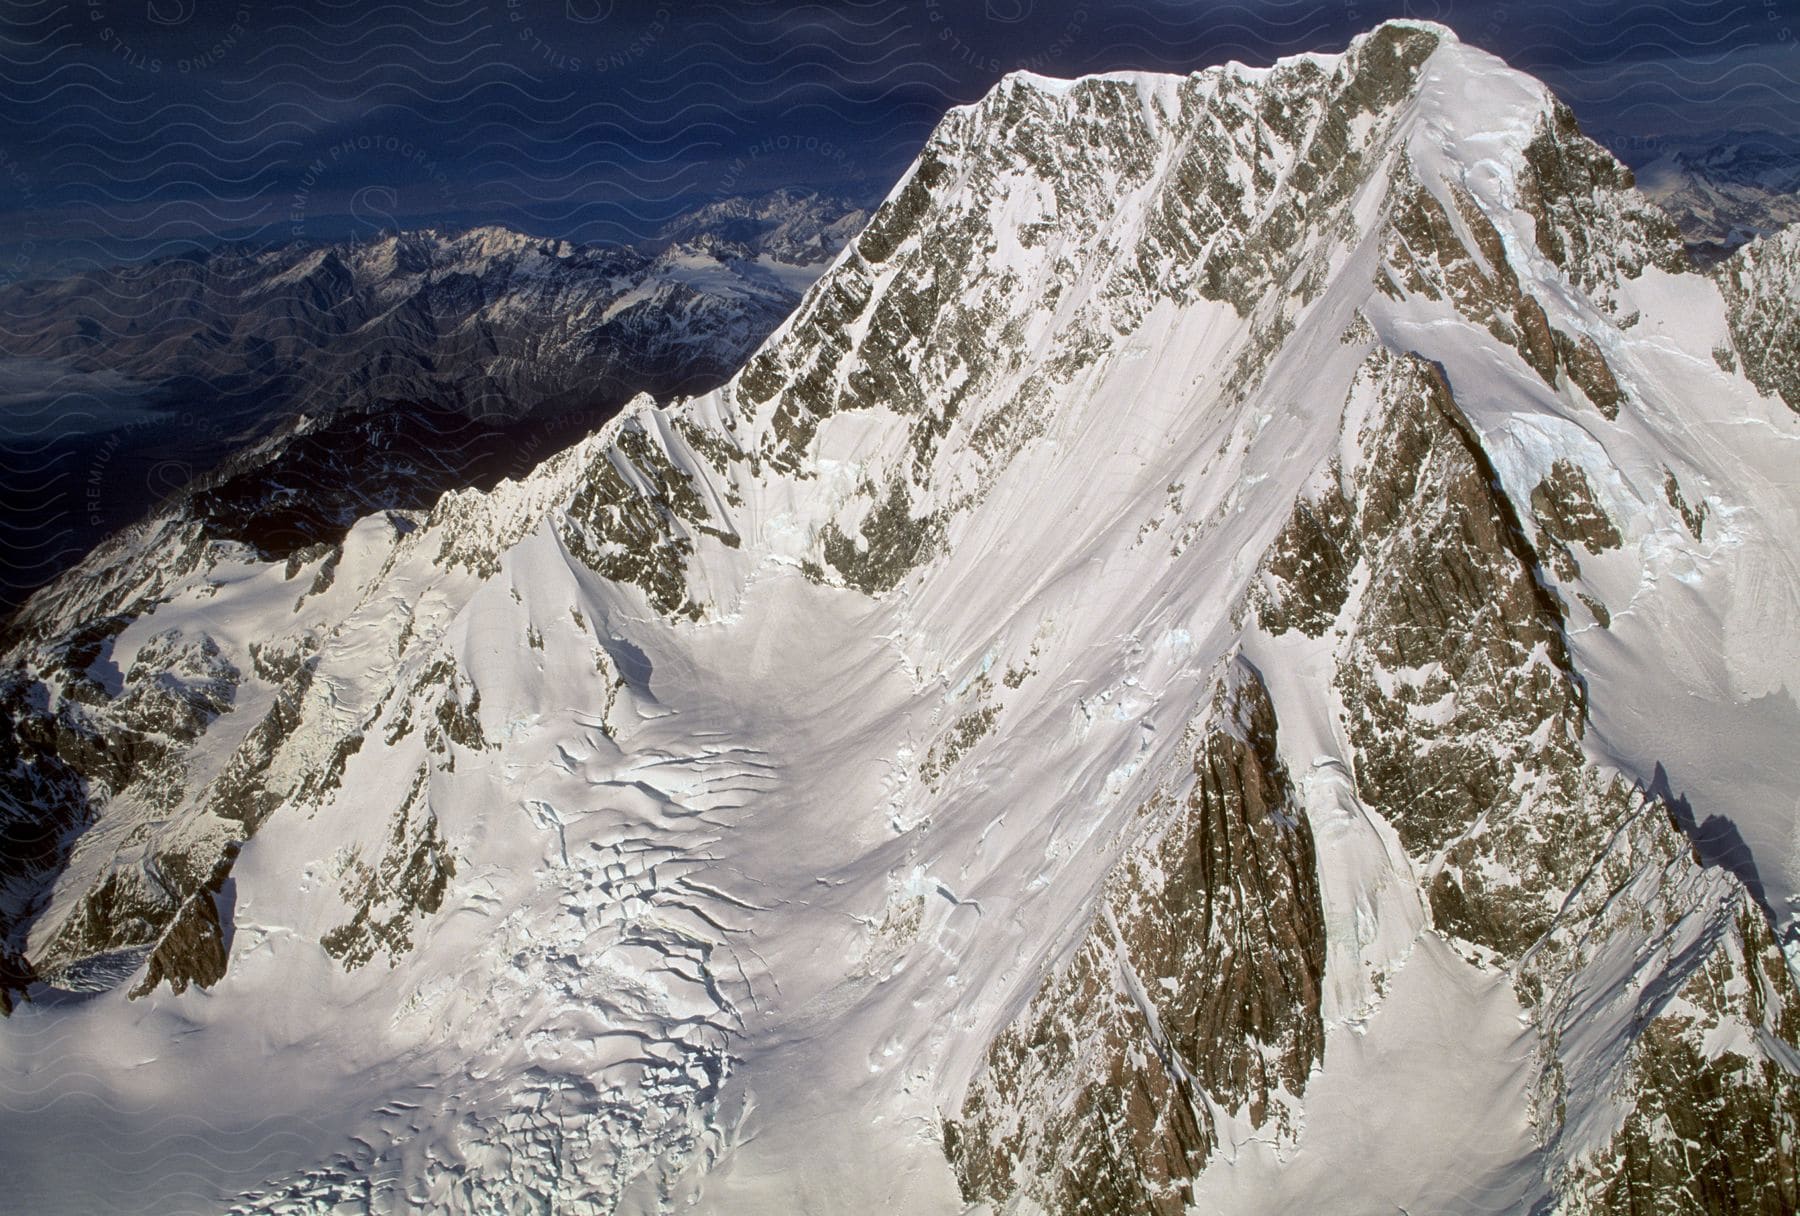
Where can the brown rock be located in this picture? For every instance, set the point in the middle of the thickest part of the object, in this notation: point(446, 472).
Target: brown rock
point(1198, 983)
point(191, 950)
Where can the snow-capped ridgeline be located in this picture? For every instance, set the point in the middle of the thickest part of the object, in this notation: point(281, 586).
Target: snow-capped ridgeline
point(1234, 651)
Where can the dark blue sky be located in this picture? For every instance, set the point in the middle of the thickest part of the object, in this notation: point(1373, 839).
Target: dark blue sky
point(129, 127)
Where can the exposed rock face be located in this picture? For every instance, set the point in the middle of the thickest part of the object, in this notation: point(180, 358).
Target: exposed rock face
point(1195, 991)
point(303, 387)
point(121, 737)
point(1761, 284)
point(636, 519)
point(1589, 369)
point(407, 882)
point(1693, 516)
point(1706, 1135)
point(1311, 563)
point(1426, 256)
point(1465, 715)
point(1217, 225)
point(190, 951)
point(1589, 221)
point(1563, 506)
point(1686, 960)
point(1111, 668)
point(1458, 694)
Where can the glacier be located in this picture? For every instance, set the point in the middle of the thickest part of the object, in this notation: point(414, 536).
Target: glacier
point(1234, 654)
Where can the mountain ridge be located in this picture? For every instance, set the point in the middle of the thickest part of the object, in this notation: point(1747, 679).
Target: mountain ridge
point(1725, 191)
point(290, 381)
point(1286, 463)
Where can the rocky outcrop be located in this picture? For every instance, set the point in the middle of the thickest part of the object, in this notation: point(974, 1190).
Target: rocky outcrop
point(1459, 697)
point(1195, 994)
point(406, 883)
point(636, 519)
point(1589, 221)
point(1761, 285)
point(191, 950)
point(1566, 513)
point(1694, 516)
point(1311, 563)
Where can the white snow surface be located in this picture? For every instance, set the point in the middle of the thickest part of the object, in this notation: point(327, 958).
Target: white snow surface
point(722, 947)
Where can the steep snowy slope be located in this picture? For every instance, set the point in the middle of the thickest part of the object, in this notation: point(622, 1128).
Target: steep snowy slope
point(1235, 652)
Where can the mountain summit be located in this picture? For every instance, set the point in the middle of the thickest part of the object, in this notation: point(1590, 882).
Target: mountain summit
point(1235, 653)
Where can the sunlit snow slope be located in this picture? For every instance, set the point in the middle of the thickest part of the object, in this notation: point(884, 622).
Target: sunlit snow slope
point(1237, 651)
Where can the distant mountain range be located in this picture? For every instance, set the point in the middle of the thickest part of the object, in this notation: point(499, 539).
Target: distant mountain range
point(1724, 191)
point(308, 384)
point(298, 386)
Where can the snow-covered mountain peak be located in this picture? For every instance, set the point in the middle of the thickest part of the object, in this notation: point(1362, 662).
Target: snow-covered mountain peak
point(1065, 219)
point(1188, 673)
